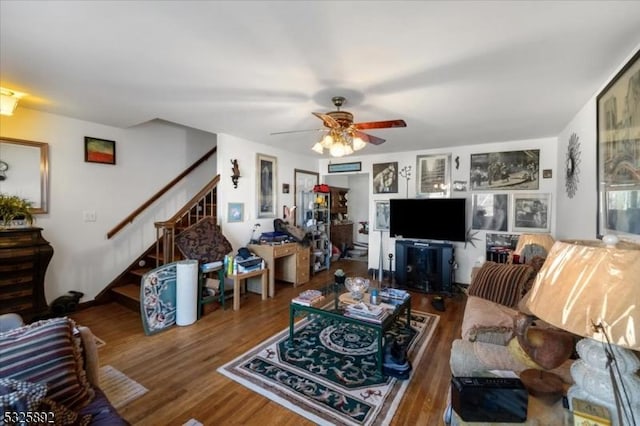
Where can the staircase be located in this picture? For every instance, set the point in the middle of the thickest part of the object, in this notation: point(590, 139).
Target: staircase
point(125, 289)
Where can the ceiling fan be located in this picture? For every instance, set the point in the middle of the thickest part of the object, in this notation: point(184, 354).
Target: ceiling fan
point(343, 135)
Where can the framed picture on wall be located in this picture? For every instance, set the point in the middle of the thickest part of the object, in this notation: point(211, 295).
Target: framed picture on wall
point(235, 212)
point(382, 216)
point(385, 178)
point(434, 175)
point(618, 152)
point(99, 150)
point(505, 170)
point(266, 176)
point(531, 212)
point(489, 211)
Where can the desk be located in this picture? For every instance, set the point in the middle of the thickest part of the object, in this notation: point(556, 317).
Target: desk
point(237, 280)
point(287, 262)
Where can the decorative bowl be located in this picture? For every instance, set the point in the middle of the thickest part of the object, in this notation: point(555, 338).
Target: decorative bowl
point(357, 286)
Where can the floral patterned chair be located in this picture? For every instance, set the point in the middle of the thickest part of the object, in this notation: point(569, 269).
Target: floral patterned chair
point(204, 242)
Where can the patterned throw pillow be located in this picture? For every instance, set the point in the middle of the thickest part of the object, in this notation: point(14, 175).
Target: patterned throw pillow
point(18, 396)
point(502, 283)
point(45, 352)
point(203, 241)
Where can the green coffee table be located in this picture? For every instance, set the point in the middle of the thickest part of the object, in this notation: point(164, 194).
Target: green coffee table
point(333, 308)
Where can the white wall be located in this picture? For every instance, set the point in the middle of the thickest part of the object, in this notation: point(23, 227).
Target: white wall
point(577, 218)
point(147, 158)
point(231, 147)
point(465, 257)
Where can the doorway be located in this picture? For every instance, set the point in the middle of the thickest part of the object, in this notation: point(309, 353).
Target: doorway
point(358, 208)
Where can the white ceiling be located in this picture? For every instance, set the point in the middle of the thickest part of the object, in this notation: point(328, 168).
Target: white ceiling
point(457, 72)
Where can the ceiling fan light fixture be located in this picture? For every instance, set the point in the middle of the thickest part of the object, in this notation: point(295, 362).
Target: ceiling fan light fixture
point(327, 141)
point(347, 149)
point(358, 144)
point(337, 150)
point(318, 148)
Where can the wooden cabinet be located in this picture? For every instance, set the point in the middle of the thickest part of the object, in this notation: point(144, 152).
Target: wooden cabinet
point(342, 235)
point(338, 201)
point(24, 257)
point(341, 226)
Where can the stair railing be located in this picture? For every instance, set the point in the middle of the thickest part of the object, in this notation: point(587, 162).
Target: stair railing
point(203, 204)
point(160, 193)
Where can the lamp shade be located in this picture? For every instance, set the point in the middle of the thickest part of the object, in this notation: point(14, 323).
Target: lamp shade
point(583, 283)
point(543, 240)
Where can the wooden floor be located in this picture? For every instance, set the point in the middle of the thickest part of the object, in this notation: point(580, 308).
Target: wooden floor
point(178, 366)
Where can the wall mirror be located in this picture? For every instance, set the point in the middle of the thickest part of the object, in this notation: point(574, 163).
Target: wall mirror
point(24, 171)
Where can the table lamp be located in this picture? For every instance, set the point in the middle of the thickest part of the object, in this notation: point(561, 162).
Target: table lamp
point(592, 289)
point(539, 242)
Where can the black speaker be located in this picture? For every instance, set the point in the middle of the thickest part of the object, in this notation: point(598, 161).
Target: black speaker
point(489, 399)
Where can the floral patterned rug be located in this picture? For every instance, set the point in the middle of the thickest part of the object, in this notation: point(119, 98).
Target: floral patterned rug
point(158, 298)
point(329, 374)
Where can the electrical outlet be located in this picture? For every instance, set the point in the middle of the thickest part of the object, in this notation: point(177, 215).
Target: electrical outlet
point(89, 215)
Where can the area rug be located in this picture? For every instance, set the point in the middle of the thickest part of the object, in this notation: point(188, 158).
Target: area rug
point(158, 298)
point(329, 374)
point(118, 387)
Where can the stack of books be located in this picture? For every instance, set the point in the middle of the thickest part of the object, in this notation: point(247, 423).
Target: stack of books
point(366, 312)
point(393, 293)
point(308, 298)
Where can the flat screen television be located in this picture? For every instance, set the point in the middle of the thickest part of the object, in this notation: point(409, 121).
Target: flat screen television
point(442, 219)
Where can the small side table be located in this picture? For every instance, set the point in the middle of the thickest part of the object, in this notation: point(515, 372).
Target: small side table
point(238, 278)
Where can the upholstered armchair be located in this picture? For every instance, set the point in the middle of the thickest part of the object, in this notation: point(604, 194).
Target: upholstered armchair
point(204, 242)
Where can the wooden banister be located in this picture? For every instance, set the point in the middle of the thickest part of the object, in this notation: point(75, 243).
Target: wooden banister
point(203, 204)
point(159, 194)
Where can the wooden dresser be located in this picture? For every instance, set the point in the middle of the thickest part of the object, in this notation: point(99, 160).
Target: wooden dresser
point(24, 257)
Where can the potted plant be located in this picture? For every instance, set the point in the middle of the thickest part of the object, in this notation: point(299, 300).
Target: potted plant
point(14, 208)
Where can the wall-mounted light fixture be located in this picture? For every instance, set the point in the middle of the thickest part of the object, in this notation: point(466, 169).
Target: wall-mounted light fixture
point(236, 173)
point(9, 100)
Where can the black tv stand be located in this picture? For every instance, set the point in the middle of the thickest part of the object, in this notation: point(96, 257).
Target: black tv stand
point(425, 266)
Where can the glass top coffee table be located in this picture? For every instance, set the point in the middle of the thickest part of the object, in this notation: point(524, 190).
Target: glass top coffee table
point(337, 305)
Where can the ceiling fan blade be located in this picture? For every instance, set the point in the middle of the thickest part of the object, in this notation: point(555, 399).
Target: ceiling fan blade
point(298, 131)
point(369, 138)
point(327, 120)
point(380, 124)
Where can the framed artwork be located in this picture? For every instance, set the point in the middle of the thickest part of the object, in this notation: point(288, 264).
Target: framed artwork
point(381, 222)
point(99, 150)
point(345, 167)
point(303, 181)
point(460, 185)
point(531, 212)
point(235, 212)
point(505, 170)
point(618, 152)
point(266, 174)
point(434, 175)
point(285, 188)
point(490, 212)
point(385, 178)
